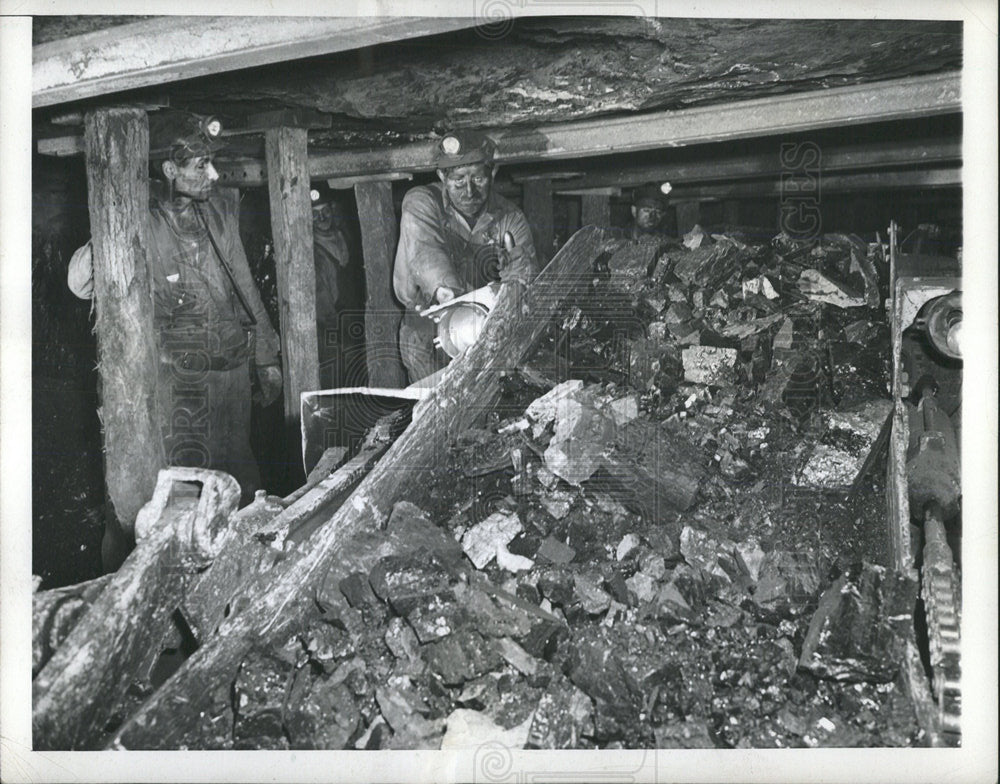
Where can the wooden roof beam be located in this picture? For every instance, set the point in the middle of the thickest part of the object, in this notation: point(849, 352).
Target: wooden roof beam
point(897, 99)
point(907, 152)
point(862, 181)
point(168, 49)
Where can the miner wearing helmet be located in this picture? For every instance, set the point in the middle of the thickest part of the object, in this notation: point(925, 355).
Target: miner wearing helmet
point(455, 235)
point(649, 211)
point(331, 255)
point(210, 322)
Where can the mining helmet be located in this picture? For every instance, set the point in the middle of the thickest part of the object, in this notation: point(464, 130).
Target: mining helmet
point(183, 135)
point(651, 195)
point(464, 147)
point(319, 196)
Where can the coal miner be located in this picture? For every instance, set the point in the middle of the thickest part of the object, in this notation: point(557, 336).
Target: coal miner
point(331, 255)
point(211, 327)
point(455, 235)
point(649, 212)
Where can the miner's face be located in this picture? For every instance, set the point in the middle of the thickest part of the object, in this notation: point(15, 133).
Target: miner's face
point(323, 217)
point(195, 179)
point(468, 186)
point(648, 216)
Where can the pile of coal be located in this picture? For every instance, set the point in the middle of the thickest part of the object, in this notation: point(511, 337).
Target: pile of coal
point(647, 545)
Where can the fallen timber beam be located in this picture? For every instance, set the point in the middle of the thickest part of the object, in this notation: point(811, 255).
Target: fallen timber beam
point(159, 50)
point(257, 545)
point(54, 613)
point(779, 115)
point(182, 527)
point(280, 597)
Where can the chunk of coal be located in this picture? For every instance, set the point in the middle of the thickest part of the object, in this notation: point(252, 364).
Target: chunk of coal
point(690, 584)
point(414, 529)
point(357, 590)
point(327, 642)
point(554, 551)
point(715, 557)
point(610, 666)
point(421, 589)
point(859, 628)
point(461, 656)
point(709, 365)
point(556, 585)
point(589, 593)
point(259, 693)
point(691, 733)
point(517, 657)
point(401, 640)
point(483, 541)
point(492, 616)
point(404, 710)
point(582, 434)
point(563, 718)
point(320, 713)
point(788, 580)
point(643, 586)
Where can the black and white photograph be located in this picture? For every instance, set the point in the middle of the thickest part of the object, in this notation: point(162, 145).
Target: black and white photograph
point(538, 390)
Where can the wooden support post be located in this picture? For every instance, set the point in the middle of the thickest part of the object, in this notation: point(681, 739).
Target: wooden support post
point(117, 148)
point(538, 210)
point(595, 210)
point(280, 596)
point(291, 226)
point(379, 232)
point(688, 214)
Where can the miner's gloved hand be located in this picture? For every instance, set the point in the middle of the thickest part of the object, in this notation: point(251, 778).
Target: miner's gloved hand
point(512, 267)
point(80, 277)
point(269, 381)
point(443, 294)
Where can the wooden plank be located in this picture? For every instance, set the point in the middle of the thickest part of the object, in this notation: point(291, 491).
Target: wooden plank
point(467, 388)
point(167, 49)
point(61, 146)
point(379, 232)
point(595, 210)
point(291, 226)
point(779, 115)
point(538, 210)
point(117, 147)
point(343, 183)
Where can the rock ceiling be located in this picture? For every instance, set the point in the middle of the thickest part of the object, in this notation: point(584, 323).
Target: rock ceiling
point(559, 69)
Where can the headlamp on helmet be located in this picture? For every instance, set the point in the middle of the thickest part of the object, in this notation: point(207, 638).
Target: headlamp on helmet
point(183, 135)
point(464, 147)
